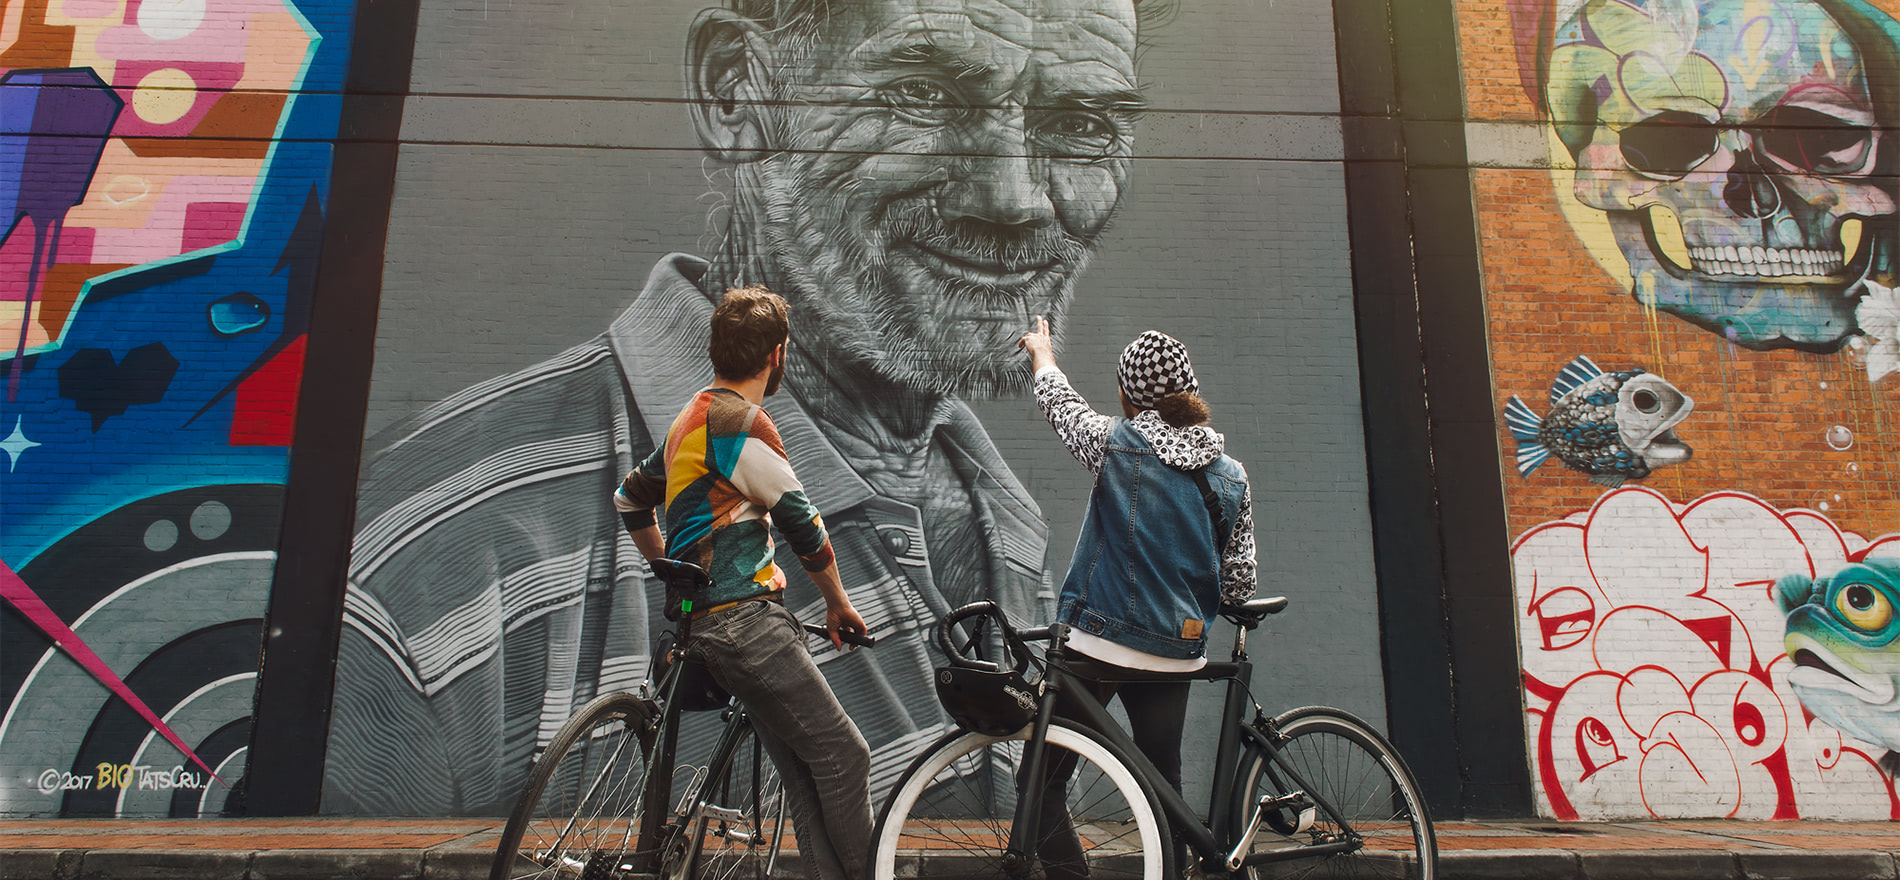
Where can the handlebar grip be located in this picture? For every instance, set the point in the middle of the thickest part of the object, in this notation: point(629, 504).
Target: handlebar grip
point(847, 636)
point(1013, 645)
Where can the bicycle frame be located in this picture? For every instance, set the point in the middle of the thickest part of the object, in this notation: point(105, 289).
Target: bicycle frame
point(656, 808)
point(1212, 841)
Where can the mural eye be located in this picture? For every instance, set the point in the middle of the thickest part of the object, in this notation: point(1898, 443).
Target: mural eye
point(923, 100)
point(1864, 607)
point(1078, 135)
point(1646, 401)
point(1668, 144)
point(1804, 139)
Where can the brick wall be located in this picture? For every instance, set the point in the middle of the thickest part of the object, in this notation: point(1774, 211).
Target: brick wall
point(1665, 673)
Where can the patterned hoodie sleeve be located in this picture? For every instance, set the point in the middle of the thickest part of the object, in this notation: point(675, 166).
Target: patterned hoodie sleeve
point(1081, 428)
point(764, 475)
point(643, 490)
point(1238, 571)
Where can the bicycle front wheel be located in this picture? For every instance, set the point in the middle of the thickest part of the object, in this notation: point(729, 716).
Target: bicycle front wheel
point(739, 823)
point(952, 811)
point(1352, 768)
point(579, 814)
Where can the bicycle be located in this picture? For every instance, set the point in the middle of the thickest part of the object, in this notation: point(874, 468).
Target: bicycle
point(1311, 791)
point(594, 806)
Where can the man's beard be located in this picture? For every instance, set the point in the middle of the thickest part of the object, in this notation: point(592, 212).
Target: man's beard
point(908, 325)
point(772, 381)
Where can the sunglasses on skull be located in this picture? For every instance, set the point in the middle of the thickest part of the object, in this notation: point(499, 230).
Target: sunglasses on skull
point(1673, 143)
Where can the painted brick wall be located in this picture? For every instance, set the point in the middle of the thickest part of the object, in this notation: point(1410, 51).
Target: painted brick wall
point(1713, 636)
point(548, 163)
point(164, 169)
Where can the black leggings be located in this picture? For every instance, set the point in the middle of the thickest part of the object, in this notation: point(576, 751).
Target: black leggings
point(1157, 711)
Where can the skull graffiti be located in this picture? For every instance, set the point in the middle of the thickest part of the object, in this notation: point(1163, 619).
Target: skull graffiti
point(1733, 146)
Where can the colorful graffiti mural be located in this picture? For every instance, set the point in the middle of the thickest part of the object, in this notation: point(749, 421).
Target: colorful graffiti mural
point(166, 166)
point(1710, 195)
point(1655, 676)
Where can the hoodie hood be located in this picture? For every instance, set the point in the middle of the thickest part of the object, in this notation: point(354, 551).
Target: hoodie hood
point(1190, 448)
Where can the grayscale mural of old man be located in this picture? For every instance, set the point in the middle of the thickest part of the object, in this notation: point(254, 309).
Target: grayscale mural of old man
point(1742, 152)
point(919, 178)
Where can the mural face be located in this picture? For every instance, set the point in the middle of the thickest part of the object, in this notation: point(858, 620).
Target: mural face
point(1733, 145)
point(164, 179)
point(943, 176)
point(1712, 643)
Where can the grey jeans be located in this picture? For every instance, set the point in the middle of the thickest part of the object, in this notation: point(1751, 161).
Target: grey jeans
point(757, 651)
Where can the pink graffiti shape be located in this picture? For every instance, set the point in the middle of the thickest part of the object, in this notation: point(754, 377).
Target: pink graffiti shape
point(22, 597)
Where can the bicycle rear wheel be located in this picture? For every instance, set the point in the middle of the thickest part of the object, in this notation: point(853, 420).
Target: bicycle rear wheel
point(579, 814)
point(952, 811)
point(740, 824)
point(1351, 767)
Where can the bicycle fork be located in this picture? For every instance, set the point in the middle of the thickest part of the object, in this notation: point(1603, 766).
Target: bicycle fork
point(1019, 859)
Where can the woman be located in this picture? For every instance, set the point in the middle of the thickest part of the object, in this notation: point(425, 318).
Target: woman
point(1161, 548)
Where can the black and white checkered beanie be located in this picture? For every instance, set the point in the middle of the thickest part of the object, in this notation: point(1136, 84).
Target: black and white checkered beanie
point(1154, 366)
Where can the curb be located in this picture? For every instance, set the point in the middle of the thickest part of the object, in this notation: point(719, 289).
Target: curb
point(451, 863)
point(1545, 864)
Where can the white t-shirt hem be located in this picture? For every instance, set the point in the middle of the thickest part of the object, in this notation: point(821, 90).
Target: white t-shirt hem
point(1106, 651)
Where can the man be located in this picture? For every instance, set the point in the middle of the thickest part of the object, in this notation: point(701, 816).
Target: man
point(724, 480)
point(917, 177)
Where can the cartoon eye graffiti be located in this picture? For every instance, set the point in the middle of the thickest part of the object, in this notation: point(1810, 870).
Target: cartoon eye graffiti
point(1596, 747)
point(1863, 607)
point(1646, 401)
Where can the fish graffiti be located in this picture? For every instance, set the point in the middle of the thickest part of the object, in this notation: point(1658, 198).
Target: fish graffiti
point(1611, 426)
point(1841, 637)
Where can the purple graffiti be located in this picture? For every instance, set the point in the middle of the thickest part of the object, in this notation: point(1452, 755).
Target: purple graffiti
point(53, 129)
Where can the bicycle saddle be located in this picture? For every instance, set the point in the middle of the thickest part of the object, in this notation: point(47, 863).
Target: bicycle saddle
point(1248, 614)
point(685, 582)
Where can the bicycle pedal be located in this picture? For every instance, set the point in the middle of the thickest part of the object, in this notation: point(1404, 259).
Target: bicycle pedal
point(1307, 816)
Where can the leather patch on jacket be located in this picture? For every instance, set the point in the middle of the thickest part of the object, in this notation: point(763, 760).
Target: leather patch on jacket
point(1191, 628)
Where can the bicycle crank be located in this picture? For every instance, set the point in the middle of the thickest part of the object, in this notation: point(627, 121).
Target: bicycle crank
point(1307, 811)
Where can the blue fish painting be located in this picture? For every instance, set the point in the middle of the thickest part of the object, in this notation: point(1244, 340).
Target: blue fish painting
point(1844, 638)
point(1610, 426)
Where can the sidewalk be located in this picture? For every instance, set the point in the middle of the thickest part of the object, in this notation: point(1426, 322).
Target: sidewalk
point(458, 849)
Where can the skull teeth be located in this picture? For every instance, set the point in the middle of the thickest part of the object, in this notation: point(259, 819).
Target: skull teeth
point(1766, 262)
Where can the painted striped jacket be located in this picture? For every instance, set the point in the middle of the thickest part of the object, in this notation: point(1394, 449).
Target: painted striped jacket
point(493, 590)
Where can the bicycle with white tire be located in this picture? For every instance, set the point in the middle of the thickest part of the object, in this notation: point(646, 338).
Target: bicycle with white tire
point(1310, 792)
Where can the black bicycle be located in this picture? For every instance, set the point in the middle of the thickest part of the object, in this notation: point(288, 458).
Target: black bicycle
point(598, 803)
point(1313, 791)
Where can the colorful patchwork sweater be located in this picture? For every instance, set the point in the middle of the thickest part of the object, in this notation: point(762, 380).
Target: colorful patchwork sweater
point(724, 480)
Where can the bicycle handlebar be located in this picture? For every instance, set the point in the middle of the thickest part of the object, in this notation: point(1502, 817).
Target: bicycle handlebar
point(847, 636)
point(1013, 641)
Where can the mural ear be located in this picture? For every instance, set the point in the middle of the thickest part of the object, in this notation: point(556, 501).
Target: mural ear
point(728, 71)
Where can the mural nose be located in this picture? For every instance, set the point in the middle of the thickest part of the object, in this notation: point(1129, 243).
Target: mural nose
point(1750, 193)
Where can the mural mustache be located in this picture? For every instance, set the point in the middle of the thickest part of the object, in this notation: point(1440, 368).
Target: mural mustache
point(928, 302)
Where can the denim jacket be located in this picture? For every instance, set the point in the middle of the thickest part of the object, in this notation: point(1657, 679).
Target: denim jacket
point(1146, 572)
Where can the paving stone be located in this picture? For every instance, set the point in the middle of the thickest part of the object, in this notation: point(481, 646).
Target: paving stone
point(1508, 864)
point(336, 864)
point(452, 864)
point(1817, 865)
point(1659, 865)
point(162, 864)
point(29, 864)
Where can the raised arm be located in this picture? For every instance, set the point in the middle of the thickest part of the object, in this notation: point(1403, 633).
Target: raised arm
point(1083, 430)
